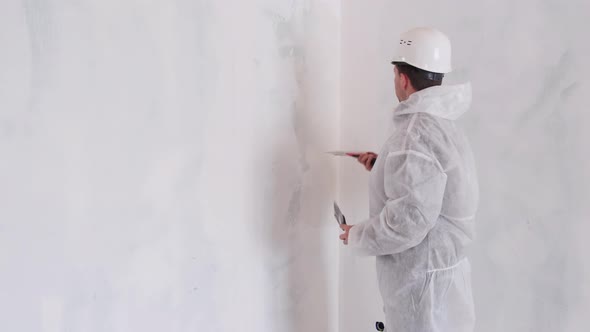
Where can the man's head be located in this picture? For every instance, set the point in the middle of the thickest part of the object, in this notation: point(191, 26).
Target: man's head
point(423, 57)
point(409, 79)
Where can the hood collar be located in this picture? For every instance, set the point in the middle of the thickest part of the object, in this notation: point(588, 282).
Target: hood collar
point(445, 101)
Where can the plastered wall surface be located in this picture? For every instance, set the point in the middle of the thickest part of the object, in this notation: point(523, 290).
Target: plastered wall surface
point(161, 165)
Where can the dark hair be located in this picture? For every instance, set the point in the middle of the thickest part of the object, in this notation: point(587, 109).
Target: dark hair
point(420, 79)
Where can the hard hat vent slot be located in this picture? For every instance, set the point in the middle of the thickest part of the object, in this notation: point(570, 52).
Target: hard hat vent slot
point(405, 42)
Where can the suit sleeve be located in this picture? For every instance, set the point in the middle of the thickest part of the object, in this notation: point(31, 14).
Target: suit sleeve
point(415, 185)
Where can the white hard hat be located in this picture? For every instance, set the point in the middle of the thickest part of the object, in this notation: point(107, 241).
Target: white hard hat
point(425, 48)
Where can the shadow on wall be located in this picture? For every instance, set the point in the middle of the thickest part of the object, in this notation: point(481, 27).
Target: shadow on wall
point(300, 191)
point(299, 266)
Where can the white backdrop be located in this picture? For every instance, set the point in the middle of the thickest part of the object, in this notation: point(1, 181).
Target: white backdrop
point(160, 165)
point(528, 125)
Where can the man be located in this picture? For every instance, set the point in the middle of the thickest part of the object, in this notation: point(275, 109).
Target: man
point(423, 196)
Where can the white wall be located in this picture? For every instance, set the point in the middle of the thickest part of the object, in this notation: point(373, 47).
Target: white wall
point(160, 165)
point(529, 124)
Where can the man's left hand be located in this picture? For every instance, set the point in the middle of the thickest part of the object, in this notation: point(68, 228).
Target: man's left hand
point(344, 236)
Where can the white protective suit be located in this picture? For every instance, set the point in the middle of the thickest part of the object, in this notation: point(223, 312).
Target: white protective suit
point(423, 198)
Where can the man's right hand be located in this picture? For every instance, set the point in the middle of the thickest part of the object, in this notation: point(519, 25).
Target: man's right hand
point(367, 159)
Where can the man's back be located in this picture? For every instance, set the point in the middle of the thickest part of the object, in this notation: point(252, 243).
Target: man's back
point(432, 274)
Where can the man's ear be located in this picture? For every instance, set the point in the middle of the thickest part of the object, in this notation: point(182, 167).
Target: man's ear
point(405, 81)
